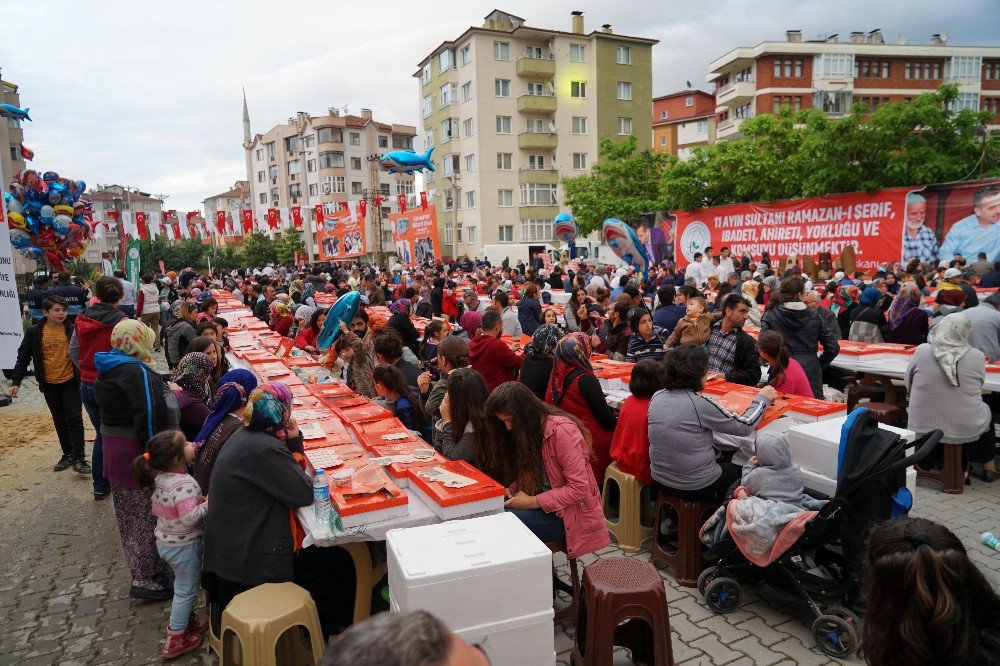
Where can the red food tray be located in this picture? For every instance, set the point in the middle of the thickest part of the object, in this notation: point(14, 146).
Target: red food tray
point(484, 488)
point(353, 500)
point(738, 403)
point(301, 362)
point(362, 413)
point(722, 387)
point(331, 390)
point(814, 407)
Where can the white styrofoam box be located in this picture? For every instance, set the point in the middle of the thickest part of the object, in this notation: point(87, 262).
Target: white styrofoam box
point(490, 505)
point(470, 572)
point(780, 424)
point(516, 642)
point(824, 484)
point(799, 417)
point(815, 446)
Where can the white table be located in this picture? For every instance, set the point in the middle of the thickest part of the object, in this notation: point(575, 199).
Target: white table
point(321, 535)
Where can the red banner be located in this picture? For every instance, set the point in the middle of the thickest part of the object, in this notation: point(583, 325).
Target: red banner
point(140, 225)
point(220, 222)
point(246, 220)
point(423, 201)
point(341, 235)
point(342, 205)
point(401, 198)
point(296, 217)
point(362, 208)
point(272, 218)
point(415, 236)
point(318, 212)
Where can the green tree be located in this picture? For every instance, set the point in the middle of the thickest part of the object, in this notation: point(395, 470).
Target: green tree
point(227, 257)
point(288, 244)
point(806, 154)
point(624, 183)
point(258, 249)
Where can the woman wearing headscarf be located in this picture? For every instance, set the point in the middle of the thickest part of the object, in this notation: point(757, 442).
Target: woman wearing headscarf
point(437, 296)
point(400, 320)
point(281, 318)
point(574, 389)
point(945, 380)
point(309, 294)
point(750, 289)
point(867, 321)
point(193, 375)
point(949, 302)
point(224, 419)
point(908, 322)
point(470, 322)
point(302, 315)
point(135, 405)
point(536, 370)
point(769, 284)
point(842, 305)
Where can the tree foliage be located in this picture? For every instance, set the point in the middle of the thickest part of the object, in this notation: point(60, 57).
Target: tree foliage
point(807, 154)
point(175, 255)
point(288, 244)
point(258, 249)
point(624, 183)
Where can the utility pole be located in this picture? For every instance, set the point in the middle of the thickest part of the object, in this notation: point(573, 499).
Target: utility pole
point(308, 217)
point(372, 194)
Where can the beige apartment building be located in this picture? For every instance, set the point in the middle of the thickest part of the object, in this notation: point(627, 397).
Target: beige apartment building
point(11, 136)
point(511, 109)
point(108, 198)
point(231, 201)
point(313, 160)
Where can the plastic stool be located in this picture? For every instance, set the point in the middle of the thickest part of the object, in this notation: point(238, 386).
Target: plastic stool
point(633, 497)
point(951, 476)
point(885, 413)
point(256, 622)
point(688, 561)
point(568, 613)
point(214, 629)
point(619, 590)
point(367, 577)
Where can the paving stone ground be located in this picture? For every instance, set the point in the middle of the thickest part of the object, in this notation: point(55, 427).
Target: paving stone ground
point(64, 586)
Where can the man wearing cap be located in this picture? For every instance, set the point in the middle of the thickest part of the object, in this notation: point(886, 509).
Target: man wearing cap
point(954, 279)
point(978, 232)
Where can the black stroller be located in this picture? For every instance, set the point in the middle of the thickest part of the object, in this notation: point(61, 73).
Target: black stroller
point(824, 566)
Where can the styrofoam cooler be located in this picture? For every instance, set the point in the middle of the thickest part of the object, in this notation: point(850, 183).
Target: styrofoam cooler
point(814, 481)
point(470, 572)
point(516, 642)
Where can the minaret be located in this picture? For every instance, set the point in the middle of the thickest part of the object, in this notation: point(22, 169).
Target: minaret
point(248, 147)
point(246, 121)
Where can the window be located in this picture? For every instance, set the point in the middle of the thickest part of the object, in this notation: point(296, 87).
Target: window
point(446, 59)
point(578, 52)
point(833, 65)
point(313, 189)
point(501, 87)
point(746, 111)
point(471, 235)
point(429, 139)
point(832, 102)
point(578, 89)
point(538, 194)
point(402, 142)
point(663, 140)
point(273, 171)
point(466, 55)
point(339, 184)
point(330, 135)
point(261, 176)
point(428, 106)
point(329, 159)
point(269, 147)
point(470, 199)
point(701, 127)
point(450, 164)
point(311, 166)
point(580, 161)
point(355, 138)
point(505, 198)
point(294, 166)
point(663, 115)
point(425, 74)
point(467, 91)
point(449, 199)
point(383, 141)
point(403, 187)
point(356, 187)
point(263, 197)
point(355, 164)
point(625, 90)
point(449, 233)
point(965, 100)
point(536, 162)
point(535, 126)
point(533, 52)
point(689, 101)
point(470, 163)
point(624, 126)
point(505, 233)
point(623, 55)
point(295, 190)
point(963, 68)
point(292, 143)
point(260, 153)
point(501, 51)
point(503, 124)
point(467, 128)
point(579, 125)
point(449, 129)
point(536, 89)
point(449, 94)
point(798, 67)
point(504, 161)
point(991, 71)
point(536, 230)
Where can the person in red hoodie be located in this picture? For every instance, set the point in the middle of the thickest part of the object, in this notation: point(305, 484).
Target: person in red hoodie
point(91, 335)
point(490, 356)
point(630, 443)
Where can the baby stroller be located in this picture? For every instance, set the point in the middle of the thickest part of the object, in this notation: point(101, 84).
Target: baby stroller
point(823, 567)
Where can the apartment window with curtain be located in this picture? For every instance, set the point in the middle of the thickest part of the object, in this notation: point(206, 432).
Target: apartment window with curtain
point(501, 87)
point(446, 59)
point(505, 233)
point(425, 74)
point(339, 184)
point(624, 90)
point(538, 194)
point(449, 233)
point(471, 235)
point(470, 163)
point(330, 135)
point(294, 166)
point(329, 160)
point(533, 231)
point(466, 55)
point(624, 126)
point(504, 161)
point(503, 124)
point(578, 89)
point(428, 106)
point(963, 68)
point(355, 139)
point(505, 198)
point(449, 199)
point(579, 125)
point(467, 128)
point(501, 50)
point(449, 94)
point(470, 199)
point(467, 91)
point(833, 66)
point(578, 52)
point(623, 55)
point(580, 161)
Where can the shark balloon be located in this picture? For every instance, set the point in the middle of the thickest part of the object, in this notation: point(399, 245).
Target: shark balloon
point(626, 244)
point(564, 227)
point(407, 161)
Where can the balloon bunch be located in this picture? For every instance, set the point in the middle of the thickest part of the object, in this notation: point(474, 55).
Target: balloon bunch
point(47, 217)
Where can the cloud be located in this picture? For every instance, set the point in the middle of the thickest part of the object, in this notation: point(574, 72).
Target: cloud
point(150, 95)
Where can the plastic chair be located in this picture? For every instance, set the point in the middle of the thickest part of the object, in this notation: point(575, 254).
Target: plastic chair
point(568, 613)
point(623, 602)
point(688, 560)
point(256, 624)
point(633, 497)
point(951, 476)
point(367, 578)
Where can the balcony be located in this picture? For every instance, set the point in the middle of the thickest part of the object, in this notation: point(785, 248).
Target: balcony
point(544, 68)
point(544, 176)
point(729, 129)
point(531, 139)
point(536, 103)
point(735, 93)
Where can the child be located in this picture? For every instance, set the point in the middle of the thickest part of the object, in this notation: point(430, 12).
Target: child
point(786, 375)
point(222, 332)
point(695, 328)
point(401, 399)
point(434, 333)
point(770, 473)
point(180, 515)
point(630, 444)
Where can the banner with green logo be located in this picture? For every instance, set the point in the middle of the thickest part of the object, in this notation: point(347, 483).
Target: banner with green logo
point(132, 263)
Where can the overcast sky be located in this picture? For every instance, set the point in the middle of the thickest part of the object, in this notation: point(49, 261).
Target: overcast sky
point(124, 93)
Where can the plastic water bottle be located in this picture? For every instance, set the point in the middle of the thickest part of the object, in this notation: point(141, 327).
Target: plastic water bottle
point(990, 540)
point(321, 498)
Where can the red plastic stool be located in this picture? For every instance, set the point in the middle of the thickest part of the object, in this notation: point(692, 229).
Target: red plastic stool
point(688, 560)
point(623, 603)
point(951, 476)
point(568, 613)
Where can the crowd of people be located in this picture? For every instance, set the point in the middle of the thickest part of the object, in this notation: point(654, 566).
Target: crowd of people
point(536, 419)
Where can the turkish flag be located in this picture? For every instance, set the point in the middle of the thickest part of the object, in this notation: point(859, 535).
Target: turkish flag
point(423, 200)
point(140, 224)
point(297, 217)
point(272, 218)
point(193, 224)
point(114, 215)
point(378, 201)
point(220, 222)
point(342, 205)
point(362, 208)
point(319, 214)
point(246, 219)
point(401, 198)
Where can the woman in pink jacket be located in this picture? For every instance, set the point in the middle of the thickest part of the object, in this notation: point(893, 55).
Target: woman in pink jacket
point(542, 455)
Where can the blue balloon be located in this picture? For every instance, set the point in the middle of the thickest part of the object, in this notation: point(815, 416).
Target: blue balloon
point(344, 310)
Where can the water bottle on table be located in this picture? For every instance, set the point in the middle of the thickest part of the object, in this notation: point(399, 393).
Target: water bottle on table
point(321, 498)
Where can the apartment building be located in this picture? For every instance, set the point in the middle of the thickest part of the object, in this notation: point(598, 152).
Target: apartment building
point(832, 74)
point(510, 109)
point(11, 136)
point(231, 201)
point(683, 120)
point(313, 160)
point(108, 198)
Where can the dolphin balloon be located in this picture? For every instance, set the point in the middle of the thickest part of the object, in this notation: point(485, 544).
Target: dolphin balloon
point(564, 227)
point(407, 161)
point(626, 244)
point(11, 111)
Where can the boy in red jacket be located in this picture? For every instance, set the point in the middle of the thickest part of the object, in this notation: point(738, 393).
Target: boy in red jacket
point(490, 356)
